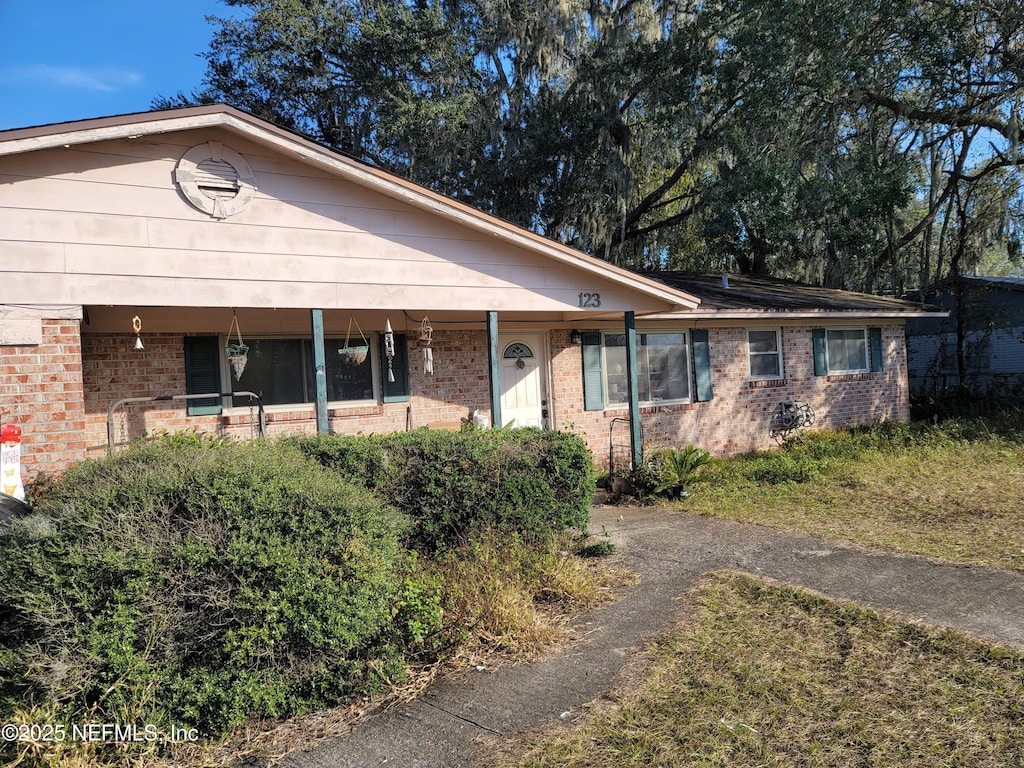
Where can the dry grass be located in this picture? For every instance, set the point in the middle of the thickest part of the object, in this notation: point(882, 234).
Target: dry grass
point(959, 501)
point(504, 602)
point(760, 674)
point(512, 599)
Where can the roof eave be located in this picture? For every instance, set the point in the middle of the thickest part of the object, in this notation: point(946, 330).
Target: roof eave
point(767, 314)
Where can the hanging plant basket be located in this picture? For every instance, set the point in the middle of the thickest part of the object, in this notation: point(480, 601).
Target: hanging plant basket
point(238, 356)
point(354, 354)
point(237, 352)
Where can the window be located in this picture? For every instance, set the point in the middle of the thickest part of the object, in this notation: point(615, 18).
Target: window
point(282, 371)
point(663, 372)
point(663, 368)
point(764, 349)
point(847, 350)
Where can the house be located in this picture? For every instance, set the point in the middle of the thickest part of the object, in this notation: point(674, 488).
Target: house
point(138, 251)
point(990, 320)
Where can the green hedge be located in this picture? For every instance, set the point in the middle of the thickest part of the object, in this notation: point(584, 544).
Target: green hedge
point(192, 581)
point(452, 484)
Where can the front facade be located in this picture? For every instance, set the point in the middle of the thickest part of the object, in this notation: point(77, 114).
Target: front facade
point(138, 253)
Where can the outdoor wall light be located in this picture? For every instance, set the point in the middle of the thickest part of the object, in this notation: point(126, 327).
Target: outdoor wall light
point(576, 337)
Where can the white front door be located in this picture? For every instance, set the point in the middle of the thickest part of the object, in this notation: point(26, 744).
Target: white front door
point(522, 380)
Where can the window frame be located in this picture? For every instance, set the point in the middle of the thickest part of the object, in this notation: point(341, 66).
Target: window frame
point(777, 354)
point(867, 349)
point(307, 370)
point(687, 361)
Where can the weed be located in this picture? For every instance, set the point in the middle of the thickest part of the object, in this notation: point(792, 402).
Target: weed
point(603, 547)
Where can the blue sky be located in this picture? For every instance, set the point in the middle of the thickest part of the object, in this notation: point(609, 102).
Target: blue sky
point(74, 59)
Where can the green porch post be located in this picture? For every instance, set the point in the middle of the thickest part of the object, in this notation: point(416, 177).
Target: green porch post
point(494, 363)
point(636, 443)
point(320, 369)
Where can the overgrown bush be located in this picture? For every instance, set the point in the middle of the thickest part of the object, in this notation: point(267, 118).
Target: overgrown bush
point(453, 484)
point(201, 582)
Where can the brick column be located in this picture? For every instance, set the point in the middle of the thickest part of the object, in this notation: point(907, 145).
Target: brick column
point(41, 391)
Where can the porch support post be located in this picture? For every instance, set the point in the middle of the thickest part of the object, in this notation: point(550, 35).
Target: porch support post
point(635, 439)
point(320, 368)
point(494, 367)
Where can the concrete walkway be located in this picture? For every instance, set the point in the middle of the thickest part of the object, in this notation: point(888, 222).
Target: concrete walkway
point(464, 712)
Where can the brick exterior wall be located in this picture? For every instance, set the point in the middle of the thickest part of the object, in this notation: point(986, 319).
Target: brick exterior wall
point(114, 369)
point(41, 391)
point(738, 419)
point(59, 393)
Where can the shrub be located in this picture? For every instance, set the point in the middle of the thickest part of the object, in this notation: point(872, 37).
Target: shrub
point(454, 484)
point(359, 458)
point(199, 582)
point(675, 470)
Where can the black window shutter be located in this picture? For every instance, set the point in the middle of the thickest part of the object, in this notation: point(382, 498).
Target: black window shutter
point(396, 391)
point(593, 373)
point(875, 335)
point(820, 352)
point(702, 364)
point(202, 373)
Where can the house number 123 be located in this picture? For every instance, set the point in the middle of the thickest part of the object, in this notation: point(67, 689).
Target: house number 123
point(590, 300)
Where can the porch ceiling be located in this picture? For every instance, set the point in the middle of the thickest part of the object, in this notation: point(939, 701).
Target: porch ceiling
point(296, 322)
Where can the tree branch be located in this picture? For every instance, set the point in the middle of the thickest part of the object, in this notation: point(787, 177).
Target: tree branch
point(962, 117)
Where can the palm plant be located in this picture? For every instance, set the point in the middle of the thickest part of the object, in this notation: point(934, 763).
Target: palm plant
point(678, 469)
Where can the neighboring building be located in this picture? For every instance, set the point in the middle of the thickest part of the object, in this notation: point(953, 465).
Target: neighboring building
point(992, 328)
point(134, 249)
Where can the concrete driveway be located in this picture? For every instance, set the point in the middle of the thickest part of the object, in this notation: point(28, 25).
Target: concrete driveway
point(454, 721)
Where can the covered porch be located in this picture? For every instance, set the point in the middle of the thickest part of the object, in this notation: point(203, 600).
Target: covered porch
point(437, 369)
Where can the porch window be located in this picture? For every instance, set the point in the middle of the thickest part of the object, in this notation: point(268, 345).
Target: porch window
point(663, 370)
point(282, 370)
point(764, 350)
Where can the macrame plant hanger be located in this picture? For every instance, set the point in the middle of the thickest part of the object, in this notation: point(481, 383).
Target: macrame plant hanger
point(238, 353)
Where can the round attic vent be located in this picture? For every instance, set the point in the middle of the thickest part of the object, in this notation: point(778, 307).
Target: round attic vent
point(215, 179)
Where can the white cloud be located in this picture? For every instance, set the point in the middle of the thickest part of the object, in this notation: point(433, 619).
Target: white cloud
point(106, 79)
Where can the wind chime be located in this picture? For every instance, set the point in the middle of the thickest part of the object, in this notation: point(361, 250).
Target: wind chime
point(137, 327)
point(426, 338)
point(389, 348)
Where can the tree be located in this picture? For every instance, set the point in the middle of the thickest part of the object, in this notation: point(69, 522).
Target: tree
point(817, 139)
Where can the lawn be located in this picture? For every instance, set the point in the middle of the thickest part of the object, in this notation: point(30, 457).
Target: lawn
point(762, 674)
point(953, 491)
point(758, 673)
